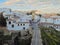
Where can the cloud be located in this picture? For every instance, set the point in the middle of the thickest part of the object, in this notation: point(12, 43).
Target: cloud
point(27, 2)
point(34, 3)
point(10, 2)
point(41, 4)
point(47, 6)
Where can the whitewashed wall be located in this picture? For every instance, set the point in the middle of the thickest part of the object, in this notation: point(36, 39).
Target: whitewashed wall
point(16, 27)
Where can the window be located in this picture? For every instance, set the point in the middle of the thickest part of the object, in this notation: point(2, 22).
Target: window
point(23, 24)
point(24, 28)
point(18, 24)
point(12, 26)
point(9, 22)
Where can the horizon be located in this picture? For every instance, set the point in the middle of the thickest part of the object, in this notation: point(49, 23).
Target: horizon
point(46, 6)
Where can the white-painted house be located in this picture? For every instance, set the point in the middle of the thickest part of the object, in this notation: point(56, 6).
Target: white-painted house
point(18, 23)
point(56, 21)
point(46, 21)
point(21, 21)
point(5, 10)
point(53, 21)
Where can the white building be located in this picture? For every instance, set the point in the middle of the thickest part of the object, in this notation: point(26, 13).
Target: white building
point(5, 10)
point(21, 21)
point(46, 21)
point(53, 21)
point(56, 21)
point(18, 23)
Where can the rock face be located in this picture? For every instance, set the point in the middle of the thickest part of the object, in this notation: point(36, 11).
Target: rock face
point(23, 40)
point(2, 18)
point(15, 38)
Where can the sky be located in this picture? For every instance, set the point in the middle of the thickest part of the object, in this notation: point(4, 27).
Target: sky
point(50, 6)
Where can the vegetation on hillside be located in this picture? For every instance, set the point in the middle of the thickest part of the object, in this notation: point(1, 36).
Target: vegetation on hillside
point(20, 39)
point(50, 36)
point(58, 14)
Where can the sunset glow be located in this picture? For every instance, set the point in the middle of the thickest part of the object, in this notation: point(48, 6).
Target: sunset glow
point(42, 5)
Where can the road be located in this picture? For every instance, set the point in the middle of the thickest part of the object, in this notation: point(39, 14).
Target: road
point(36, 39)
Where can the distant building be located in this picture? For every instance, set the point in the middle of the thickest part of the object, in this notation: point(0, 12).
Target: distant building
point(22, 21)
point(18, 21)
point(56, 22)
point(53, 21)
point(5, 10)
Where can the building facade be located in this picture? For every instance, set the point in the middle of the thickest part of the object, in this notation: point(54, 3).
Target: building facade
point(21, 21)
point(18, 23)
point(53, 21)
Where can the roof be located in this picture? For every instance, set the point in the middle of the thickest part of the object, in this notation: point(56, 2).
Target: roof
point(21, 22)
point(55, 17)
point(16, 17)
point(10, 20)
point(46, 23)
point(19, 19)
point(56, 24)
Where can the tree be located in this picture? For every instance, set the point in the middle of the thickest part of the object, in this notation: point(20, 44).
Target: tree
point(29, 13)
point(58, 14)
point(2, 20)
point(40, 15)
